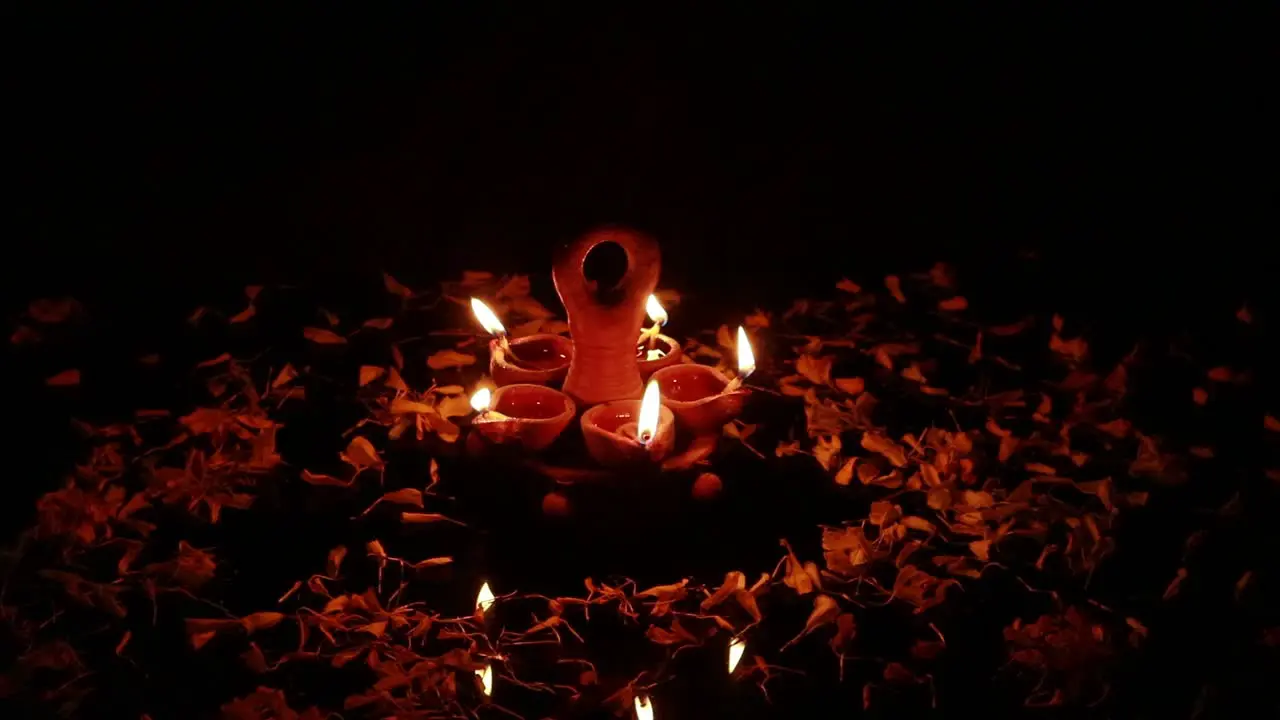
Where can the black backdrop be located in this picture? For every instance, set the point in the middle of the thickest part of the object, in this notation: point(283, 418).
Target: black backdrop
point(166, 153)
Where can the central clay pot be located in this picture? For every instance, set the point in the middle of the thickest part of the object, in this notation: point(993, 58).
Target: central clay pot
point(605, 322)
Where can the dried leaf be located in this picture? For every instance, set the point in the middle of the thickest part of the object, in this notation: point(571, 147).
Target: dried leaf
point(825, 610)
point(319, 479)
point(413, 518)
point(827, 451)
point(1199, 396)
point(243, 315)
point(1269, 422)
point(323, 336)
point(848, 286)
point(66, 378)
point(287, 375)
point(334, 563)
point(369, 373)
point(261, 621)
point(377, 323)
point(845, 475)
point(816, 370)
point(877, 443)
point(432, 562)
point(954, 304)
point(361, 454)
point(394, 287)
point(895, 288)
point(733, 581)
point(450, 358)
point(853, 386)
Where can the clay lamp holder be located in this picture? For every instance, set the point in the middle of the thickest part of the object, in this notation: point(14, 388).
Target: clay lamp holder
point(610, 434)
point(668, 345)
point(605, 322)
point(695, 394)
point(535, 416)
point(541, 359)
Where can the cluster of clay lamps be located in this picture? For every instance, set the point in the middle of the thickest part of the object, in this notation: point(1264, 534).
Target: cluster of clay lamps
point(603, 368)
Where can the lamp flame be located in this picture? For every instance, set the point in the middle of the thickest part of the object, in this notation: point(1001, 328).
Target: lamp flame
point(746, 358)
point(484, 598)
point(737, 647)
point(644, 708)
point(647, 423)
point(486, 680)
point(487, 319)
point(657, 313)
point(480, 401)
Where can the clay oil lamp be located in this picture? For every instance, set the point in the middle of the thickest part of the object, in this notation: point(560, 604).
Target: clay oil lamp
point(654, 350)
point(542, 358)
point(701, 397)
point(524, 415)
point(629, 432)
point(605, 322)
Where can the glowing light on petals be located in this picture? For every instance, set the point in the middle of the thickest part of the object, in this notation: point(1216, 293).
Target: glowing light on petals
point(486, 680)
point(657, 313)
point(746, 358)
point(480, 401)
point(647, 423)
point(737, 647)
point(487, 319)
point(644, 708)
point(485, 598)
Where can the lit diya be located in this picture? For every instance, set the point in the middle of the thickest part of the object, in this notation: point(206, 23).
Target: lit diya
point(531, 416)
point(542, 358)
point(701, 397)
point(629, 432)
point(654, 350)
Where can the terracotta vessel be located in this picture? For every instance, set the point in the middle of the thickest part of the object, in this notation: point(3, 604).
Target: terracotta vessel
point(673, 355)
point(536, 415)
point(540, 359)
point(695, 394)
point(609, 431)
point(605, 322)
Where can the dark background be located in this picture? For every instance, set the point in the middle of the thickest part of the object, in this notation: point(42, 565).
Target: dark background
point(165, 153)
point(1116, 168)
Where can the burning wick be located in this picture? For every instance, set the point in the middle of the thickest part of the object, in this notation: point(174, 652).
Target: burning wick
point(484, 599)
point(480, 403)
point(647, 336)
point(491, 324)
point(644, 708)
point(486, 679)
point(647, 423)
point(746, 361)
point(737, 647)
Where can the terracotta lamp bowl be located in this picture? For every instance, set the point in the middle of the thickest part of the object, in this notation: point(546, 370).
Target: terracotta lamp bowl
point(672, 356)
point(536, 415)
point(695, 394)
point(609, 432)
point(540, 359)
